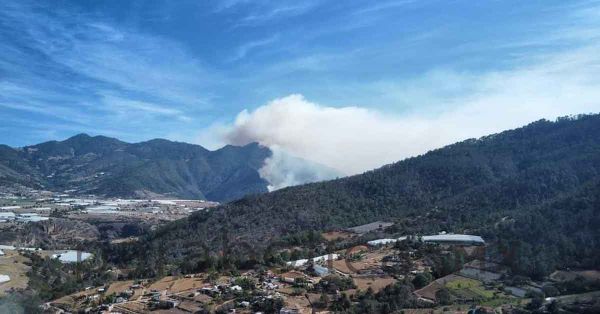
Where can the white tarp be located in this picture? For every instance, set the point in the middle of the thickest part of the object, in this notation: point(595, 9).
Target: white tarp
point(464, 238)
point(71, 256)
point(453, 238)
point(4, 278)
point(322, 258)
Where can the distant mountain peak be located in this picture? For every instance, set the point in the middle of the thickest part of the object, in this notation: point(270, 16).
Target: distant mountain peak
point(79, 136)
point(159, 166)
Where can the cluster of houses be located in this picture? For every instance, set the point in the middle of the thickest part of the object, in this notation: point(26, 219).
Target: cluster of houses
point(189, 293)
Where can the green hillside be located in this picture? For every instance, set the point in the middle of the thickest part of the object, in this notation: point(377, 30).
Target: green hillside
point(532, 192)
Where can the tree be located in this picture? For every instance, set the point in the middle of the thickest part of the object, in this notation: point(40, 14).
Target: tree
point(550, 291)
point(323, 300)
point(535, 303)
point(443, 296)
point(421, 280)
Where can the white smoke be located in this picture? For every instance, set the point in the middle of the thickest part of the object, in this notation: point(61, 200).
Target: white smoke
point(282, 170)
point(348, 139)
point(353, 139)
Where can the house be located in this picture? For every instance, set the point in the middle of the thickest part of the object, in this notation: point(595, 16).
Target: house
point(270, 286)
point(210, 291)
point(291, 276)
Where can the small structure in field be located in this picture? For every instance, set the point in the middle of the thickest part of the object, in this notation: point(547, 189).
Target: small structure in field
point(4, 278)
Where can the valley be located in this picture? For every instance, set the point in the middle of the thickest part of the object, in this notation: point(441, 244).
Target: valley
point(501, 224)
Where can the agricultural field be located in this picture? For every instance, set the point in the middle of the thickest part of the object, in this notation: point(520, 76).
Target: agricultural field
point(375, 283)
point(469, 289)
point(466, 288)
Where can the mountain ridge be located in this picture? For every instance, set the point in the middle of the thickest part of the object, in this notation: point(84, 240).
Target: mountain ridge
point(545, 171)
point(109, 167)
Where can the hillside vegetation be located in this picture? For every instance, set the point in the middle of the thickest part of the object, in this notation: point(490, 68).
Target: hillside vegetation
point(532, 192)
point(106, 166)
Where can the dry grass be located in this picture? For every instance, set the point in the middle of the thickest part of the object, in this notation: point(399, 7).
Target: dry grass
point(375, 283)
point(135, 307)
point(186, 284)
point(299, 302)
point(189, 306)
point(336, 235)
point(371, 260)
point(124, 240)
point(162, 284)
point(13, 265)
point(118, 287)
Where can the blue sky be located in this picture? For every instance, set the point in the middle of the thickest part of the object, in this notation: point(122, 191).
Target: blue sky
point(184, 70)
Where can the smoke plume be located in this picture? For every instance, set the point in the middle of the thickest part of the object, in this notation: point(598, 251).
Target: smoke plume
point(351, 140)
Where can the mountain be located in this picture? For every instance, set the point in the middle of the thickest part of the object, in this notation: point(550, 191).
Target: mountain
point(532, 192)
point(106, 166)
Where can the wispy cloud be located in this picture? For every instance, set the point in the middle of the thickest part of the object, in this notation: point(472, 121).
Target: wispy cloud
point(276, 12)
point(79, 68)
point(382, 5)
point(125, 108)
point(244, 49)
point(257, 13)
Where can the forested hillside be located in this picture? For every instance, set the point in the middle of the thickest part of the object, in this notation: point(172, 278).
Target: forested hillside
point(106, 166)
point(532, 192)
